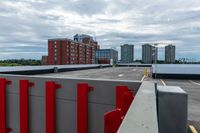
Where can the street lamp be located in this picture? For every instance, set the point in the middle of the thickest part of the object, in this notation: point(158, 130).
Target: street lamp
point(154, 56)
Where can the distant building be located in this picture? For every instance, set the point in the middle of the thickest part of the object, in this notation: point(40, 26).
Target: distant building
point(149, 54)
point(44, 60)
point(170, 54)
point(66, 51)
point(106, 56)
point(127, 53)
point(82, 38)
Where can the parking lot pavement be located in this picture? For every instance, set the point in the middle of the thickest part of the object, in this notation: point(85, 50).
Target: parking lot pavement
point(193, 91)
point(123, 73)
point(158, 81)
point(192, 87)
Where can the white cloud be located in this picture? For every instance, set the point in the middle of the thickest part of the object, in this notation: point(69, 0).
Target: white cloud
point(27, 24)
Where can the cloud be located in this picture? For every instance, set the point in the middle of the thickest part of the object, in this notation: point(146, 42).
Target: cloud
point(26, 25)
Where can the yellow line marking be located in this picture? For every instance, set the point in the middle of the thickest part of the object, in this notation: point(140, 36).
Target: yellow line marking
point(143, 78)
point(163, 82)
point(192, 128)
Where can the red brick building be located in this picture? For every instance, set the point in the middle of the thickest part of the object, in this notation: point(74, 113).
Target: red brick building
point(65, 51)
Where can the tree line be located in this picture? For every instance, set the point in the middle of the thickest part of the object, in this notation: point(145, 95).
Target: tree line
point(20, 62)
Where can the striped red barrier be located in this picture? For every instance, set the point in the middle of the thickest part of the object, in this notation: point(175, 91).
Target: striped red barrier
point(24, 105)
point(3, 83)
point(82, 107)
point(51, 87)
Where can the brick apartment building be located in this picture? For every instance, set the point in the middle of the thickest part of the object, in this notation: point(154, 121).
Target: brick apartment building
point(81, 50)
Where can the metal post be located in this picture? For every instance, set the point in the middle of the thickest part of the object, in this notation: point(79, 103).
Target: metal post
point(24, 105)
point(51, 87)
point(82, 107)
point(3, 83)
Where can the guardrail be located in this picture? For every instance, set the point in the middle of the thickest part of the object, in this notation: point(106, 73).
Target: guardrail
point(57, 105)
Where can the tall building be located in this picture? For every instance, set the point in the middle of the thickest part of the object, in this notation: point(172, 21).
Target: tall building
point(82, 38)
point(44, 60)
point(127, 53)
point(106, 56)
point(65, 51)
point(149, 54)
point(170, 54)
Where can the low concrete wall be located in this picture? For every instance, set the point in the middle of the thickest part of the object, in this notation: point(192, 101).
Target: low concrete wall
point(101, 100)
point(175, 76)
point(134, 65)
point(35, 70)
point(176, 71)
point(142, 114)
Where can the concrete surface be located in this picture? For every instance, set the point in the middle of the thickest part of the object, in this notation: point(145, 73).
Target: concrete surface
point(172, 109)
point(100, 100)
point(124, 73)
point(192, 87)
point(146, 122)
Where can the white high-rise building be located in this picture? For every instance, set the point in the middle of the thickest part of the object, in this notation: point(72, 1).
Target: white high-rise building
point(170, 54)
point(149, 54)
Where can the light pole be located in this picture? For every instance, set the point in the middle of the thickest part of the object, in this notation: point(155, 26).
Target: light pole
point(154, 56)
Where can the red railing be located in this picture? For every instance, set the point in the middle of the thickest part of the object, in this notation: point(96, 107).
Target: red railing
point(3, 83)
point(51, 87)
point(113, 119)
point(24, 86)
point(82, 107)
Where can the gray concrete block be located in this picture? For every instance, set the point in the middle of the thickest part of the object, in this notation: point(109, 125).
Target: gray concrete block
point(172, 109)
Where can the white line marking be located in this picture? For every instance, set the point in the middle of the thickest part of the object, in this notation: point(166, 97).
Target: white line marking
point(143, 78)
point(163, 82)
point(120, 75)
point(134, 70)
point(194, 82)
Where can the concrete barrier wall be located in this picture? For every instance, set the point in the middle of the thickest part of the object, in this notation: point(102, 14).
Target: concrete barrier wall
point(142, 114)
point(35, 70)
point(172, 109)
point(100, 101)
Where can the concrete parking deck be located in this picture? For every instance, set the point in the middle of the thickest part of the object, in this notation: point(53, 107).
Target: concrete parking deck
point(123, 73)
point(192, 87)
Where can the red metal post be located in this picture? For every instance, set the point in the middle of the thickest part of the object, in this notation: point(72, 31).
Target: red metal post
point(3, 83)
point(24, 105)
point(82, 107)
point(112, 121)
point(51, 87)
point(128, 98)
point(120, 90)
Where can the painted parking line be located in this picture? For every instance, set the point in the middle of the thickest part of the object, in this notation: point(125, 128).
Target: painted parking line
point(143, 78)
point(163, 82)
point(120, 75)
point(194, 82)
point(192, 128)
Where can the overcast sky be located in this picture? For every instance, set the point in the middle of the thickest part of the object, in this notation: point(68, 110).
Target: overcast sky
point(25, 25)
